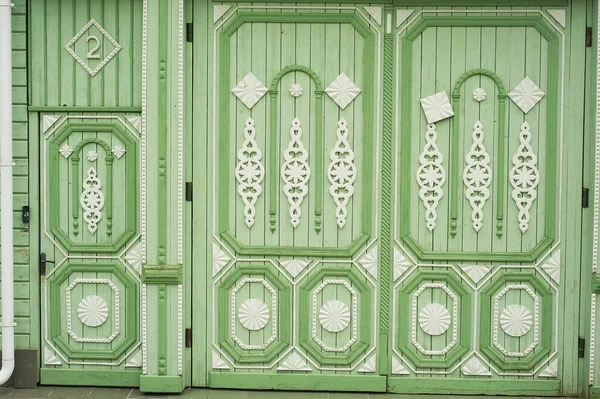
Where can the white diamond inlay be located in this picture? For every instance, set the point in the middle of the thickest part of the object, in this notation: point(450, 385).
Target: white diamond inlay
point(249, 90)
point(342, 90)
point(526, 94)
point(437, 107)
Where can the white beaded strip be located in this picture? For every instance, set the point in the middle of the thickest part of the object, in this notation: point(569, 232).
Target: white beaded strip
point(592, 337)
point(143, 176)
point(180, 329)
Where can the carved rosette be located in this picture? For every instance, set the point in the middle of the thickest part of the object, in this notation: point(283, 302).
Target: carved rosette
point(295, 172)
point(524, 177)
point(341, 173)
point(477, 176)
point(431, 176)
point(249, 172)
point(92, 200)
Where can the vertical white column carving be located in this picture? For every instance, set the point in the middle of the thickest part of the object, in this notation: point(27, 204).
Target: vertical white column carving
point(249, 172)
point(524, 177)
point(341, 172)
point(92, 200)
point(431, 176)
point(477, 176)
point(295, 172)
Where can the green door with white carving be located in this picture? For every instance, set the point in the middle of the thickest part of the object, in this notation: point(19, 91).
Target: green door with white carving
point(389, 197)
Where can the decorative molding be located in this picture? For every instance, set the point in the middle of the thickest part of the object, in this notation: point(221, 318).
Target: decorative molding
point(219, 11)
point(370, 365)
point(524, 177)
point(431, 176)
point(559, 16)
point(92, 156)
point(118, 151)
point(479, 94)
point(526, 94)
point(92, 200)
point(476, 272)
point(92, 310)
point(516, 320)
point(66, 150)
point(295, 172)
point(375, 13)
point(476, 368)
point(398, 368)
point(48, 121)
point(342, 90)
point(434, 319)
point(134, 258)
point(551, 371)
point(552, 266)
point(50, 359)
point(294, 363)
point(296, 90)
point(249, 90)
point(341, 173)
point(135, 361)
point(106, 60)
point(218, 363)
point(402, 15)
point(136, 122)
point(596, 217)
point(401, 264)
point(370, 261)
point(340, 321)
point(334, 316)
point(249, 172)
point(592, 363)
point(477, 176)
point(162, 274)
point(253, 314)
point(294, 266)
point(437, 107)
point(220, 259)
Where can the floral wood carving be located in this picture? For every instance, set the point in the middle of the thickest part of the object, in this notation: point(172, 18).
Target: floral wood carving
point(295, 172)
point(341, 173)
point(431, 176)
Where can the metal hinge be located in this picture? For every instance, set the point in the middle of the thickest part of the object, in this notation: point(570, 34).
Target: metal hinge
point(588, 36)
point(189, 191)
point(188, 337)
point(581, 347)
point(189, 32)
point(585, 197)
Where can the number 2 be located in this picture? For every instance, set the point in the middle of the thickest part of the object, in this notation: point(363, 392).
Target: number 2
point(93, 53)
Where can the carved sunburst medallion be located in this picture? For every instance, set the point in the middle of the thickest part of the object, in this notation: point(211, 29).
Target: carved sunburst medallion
point(92, 311)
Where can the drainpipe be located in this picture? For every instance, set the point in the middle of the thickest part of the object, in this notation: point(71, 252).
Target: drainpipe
point(6, 193)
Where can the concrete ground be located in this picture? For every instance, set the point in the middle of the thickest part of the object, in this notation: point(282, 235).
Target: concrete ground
point(128, 393)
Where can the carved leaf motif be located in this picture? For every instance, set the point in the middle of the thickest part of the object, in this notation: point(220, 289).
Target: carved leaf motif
point(295, 172)
point(341, 173)
point(431, 176)
point(477, 176)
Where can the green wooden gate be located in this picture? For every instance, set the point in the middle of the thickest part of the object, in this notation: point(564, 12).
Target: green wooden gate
point(389, 196)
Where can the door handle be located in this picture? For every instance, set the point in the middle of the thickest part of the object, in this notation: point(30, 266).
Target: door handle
point(43, 263)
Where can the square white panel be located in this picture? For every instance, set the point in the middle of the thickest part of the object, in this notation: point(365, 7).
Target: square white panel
point(342, 90)
point(249, 90)
point(526, 94)
point(437, 107)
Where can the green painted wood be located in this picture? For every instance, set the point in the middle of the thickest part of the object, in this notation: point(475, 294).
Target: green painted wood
point(162, 384)
point(121, 378)
point(450, 386)
point(162, 274)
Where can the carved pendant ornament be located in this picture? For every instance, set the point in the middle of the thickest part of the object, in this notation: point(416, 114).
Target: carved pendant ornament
point(341, 173)
point(524, 177)
point(431, 176)
point(92, 200)
point(477, 176)
point(295, 172)
point(249, 172)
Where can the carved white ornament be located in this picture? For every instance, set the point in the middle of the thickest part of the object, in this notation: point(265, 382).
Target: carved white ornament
point(92, 200)
point(134, 258)
point(92, 55)
point(220, 259)
point(431, 176)
point(342, 90)
point(402, 15)
point(524, 177)
point(475, 367)
point(476, 272)
point(526, 94)
point(334, 316)
point(253, 314)
point(552, 266)
point(135, 361)
point(66, 150)
point(551, 371)
point(477, 176)
point(50, 359)
point(369, 366)
point(48, 121)
point(375, 13)
point(434, 319)
point(218, 363)
point(92, 155)
point(479, 94)
point(437, 107)
point(294, 266)
point(118, 151)
point(219, 11)
point(370, 261)
point(341, 173)
point(135, 121)
point(295, 172)
point(296, 90)
point(559, 16)
point(92, 311)
point(398, 368)
point(294, 363)
point(516, 320)
point(249, 90)
point(401, 264)
point(249, 172)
